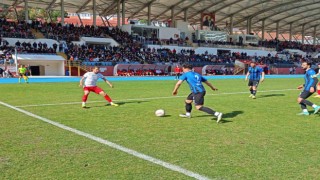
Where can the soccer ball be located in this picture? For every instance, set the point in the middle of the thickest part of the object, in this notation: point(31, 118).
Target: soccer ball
point(160, 113)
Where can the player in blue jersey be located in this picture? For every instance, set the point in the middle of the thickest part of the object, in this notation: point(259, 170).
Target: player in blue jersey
point(197, 94)
point(255, 75)
point(310, 86)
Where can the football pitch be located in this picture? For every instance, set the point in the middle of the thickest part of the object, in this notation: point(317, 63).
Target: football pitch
point(45, 134)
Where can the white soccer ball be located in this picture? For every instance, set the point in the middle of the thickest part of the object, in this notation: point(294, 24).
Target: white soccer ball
point(160, 113)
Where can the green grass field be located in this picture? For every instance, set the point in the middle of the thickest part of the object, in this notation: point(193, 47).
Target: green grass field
point(258, 139)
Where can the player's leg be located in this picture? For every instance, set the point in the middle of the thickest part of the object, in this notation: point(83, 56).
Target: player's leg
point(318, 91)
point(188, 106)
point(25, 77)
point(105, 95)
point(254, 89)
point(86, 93)
point(302, 100)
point(250, 84)
point(199, 101)
point(20, 76)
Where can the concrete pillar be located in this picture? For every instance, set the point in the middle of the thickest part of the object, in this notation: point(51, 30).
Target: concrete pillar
point(123, 12)
point(118, 13)
point(303, 35)
point(172, 17)
point(314, 35)
point(185, 18)
point(94, 13)
point(263, 29)
point(277, 30)
point(248, 25)
point(290, 32)
point(231, 25)
point(149, 14)
point(62, 12)
point(26, 10)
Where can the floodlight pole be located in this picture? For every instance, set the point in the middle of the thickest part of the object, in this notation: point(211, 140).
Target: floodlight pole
point(62, 12)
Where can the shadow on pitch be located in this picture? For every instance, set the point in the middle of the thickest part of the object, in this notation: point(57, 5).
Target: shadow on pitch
point(270, 95)
point(119, 103)
point(129, 102)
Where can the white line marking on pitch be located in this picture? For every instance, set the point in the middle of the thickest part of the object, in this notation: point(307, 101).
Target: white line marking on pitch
point(113, 145)
point(152, 98)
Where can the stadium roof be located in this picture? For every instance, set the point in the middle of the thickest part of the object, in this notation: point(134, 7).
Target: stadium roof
point(298, 13)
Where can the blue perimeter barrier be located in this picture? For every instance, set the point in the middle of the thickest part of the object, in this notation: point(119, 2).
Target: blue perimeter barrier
point(43, 79)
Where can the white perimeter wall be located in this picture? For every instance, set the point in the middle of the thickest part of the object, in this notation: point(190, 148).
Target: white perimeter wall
point(51, 68)
point(214, 51)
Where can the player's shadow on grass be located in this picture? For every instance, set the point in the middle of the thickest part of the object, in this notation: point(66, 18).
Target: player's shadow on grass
point(270, 95)
point(130, 102)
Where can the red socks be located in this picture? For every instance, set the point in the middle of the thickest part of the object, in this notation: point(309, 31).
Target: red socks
point(318, 91)
point(107, 98)
point(84, 98)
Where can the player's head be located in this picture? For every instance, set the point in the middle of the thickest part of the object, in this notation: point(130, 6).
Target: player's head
point(187, 67)
point(319, 65)
point(253, 64)
point(22, 66)
point(96, 69)
point(306, 65)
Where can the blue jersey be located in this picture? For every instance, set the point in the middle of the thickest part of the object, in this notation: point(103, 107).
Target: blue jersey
point(194, 80)
point(255, 73)
point(308, 79)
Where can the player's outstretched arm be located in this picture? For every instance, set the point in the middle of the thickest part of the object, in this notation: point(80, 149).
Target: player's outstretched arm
point(108, 82)
point(247, 76)
point(210, 85)
point(176, 87)
point(81, 80)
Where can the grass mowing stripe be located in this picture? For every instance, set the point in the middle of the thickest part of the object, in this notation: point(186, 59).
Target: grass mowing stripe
point(154, 98)
point(113, 145)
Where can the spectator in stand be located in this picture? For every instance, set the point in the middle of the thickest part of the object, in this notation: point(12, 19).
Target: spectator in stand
point(177, 72)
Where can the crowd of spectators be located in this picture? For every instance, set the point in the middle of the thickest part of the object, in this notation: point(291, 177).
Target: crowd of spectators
point(281, 45)
point(131, 49)
point(19, 29)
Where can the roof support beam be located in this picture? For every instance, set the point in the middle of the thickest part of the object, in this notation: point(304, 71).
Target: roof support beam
point(314, 35)
point(123, 12)
point(83, 6)
point(168, 9)
point(267, 9)
point(51, 4)
point(142, 8)
point(149, 14)
point(247, 7)
point(263, 29)
point(290, 32)
point(298, 14)
point(187, 7)
point(210, 6)
point(108, 9)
